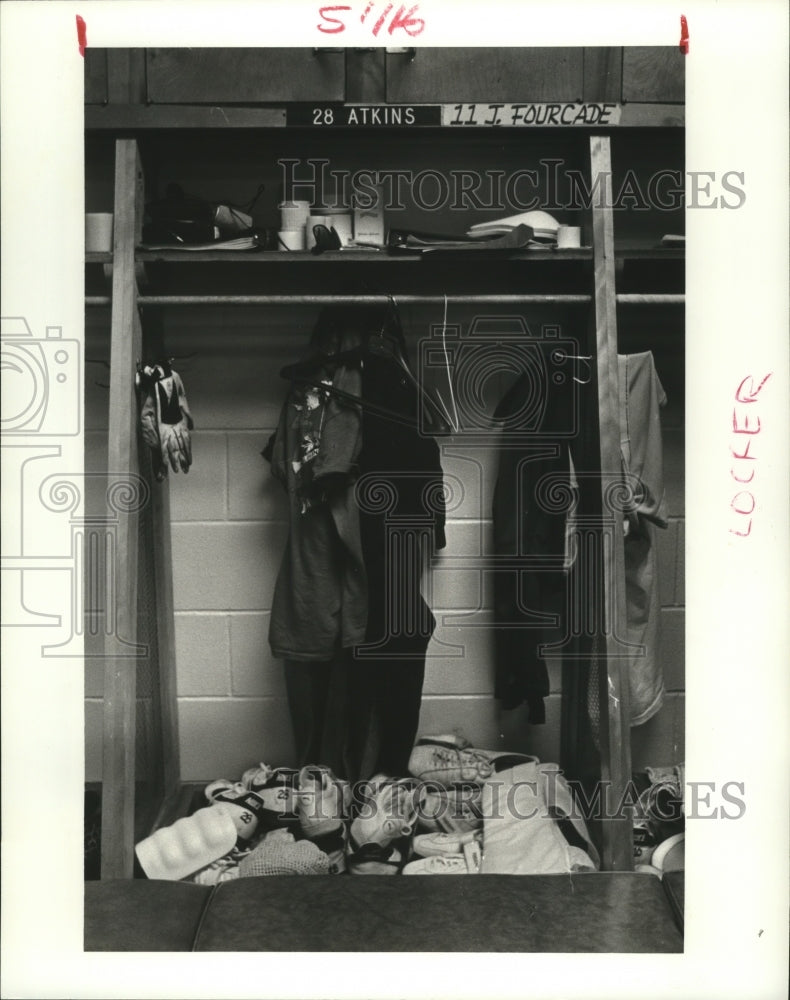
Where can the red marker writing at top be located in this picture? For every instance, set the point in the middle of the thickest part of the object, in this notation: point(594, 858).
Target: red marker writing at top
point(684, 35)
point(332, 18)
point(82, 35)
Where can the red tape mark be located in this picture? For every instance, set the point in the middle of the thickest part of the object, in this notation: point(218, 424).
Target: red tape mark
point(684, 35)
point(82, 35)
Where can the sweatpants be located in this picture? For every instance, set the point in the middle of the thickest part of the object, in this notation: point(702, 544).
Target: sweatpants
point(358, 717)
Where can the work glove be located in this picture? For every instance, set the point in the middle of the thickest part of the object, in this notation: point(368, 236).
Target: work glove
point(166, 421)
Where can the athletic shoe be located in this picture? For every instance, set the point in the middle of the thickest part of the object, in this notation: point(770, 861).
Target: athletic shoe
point(435, 759)
point(374, 859)
point(222, 787)
point(246, 809)
point(429, 845)
point(449, 864)
point(454, 810)
point(276, 788)
point(322, 799)
point(265, 793)
point(256, 777)
point(467, 861)
point(322, 805)
point(379, 834)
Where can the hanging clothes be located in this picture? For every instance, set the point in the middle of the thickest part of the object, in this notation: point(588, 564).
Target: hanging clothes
point(365, 508)
point(320, 597)
point(530, 603)
point(641, 397)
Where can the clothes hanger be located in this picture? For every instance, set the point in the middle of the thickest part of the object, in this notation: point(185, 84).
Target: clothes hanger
point(560, 355)
point(376, 345)
point(349, 397)
point(437, 414)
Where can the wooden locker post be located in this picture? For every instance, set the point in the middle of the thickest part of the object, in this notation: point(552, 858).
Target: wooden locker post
point(118, 760)
point(615, 732)
point(165, 700)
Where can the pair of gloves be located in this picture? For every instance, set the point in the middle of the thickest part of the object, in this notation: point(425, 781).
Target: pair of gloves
point(165, 419)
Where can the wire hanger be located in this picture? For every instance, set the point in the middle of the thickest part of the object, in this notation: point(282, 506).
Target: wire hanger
point(452, 421)
point(376, 345)
point(560, 356)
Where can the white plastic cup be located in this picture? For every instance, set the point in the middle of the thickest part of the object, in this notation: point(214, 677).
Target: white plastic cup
point(98, 232)
point(569, 237)
point(293, 214)
point(291, 239)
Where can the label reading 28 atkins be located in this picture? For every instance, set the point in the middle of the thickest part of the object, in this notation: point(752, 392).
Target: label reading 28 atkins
point(364, 115)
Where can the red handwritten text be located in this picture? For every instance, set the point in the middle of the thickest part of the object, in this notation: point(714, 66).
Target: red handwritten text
point(745, 428)
point(333, 23)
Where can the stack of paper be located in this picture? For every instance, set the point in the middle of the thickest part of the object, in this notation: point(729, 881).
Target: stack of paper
point(237, 243)
point(544, 227)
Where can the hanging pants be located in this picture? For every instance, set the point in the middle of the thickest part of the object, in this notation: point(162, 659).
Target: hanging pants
point(357, 716)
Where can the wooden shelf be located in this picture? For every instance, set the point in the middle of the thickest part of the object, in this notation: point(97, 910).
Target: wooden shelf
point(349, 256)
point(346, 256)
point(649, 253)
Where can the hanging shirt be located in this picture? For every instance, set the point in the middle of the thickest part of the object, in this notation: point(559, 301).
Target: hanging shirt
point(352, 568)
point(641, 396)
point(530, 602)
point(320, 597)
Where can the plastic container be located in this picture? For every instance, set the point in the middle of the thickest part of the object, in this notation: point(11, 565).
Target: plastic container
point(98, 232)
point(291, 239)
point(293, 214)
point(189, 844)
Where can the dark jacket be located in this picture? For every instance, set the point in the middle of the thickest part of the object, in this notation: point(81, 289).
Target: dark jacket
point(360, 518)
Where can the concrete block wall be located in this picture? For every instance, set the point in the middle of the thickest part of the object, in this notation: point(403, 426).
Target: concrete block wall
point(228, 531)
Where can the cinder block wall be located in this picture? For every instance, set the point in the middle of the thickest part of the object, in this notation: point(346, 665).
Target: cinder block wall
point(229, 529)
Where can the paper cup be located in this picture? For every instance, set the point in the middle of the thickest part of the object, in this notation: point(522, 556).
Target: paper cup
point(293, 214)
point(569, 237)
point(98, 232)
point(291, 239)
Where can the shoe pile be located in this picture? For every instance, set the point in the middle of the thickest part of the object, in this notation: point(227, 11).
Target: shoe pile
point(452, 815)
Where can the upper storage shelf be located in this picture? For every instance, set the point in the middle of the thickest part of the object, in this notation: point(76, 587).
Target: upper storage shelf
point(244, 76)
point(246, 87)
